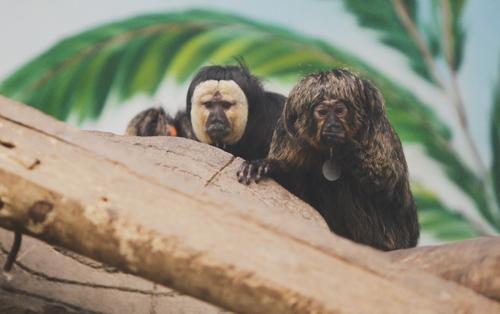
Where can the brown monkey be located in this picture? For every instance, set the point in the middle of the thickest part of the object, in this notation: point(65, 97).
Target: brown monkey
point(152, 122)
point(335, 148)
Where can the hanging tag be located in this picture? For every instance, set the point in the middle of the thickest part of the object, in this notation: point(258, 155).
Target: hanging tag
point(331, 170)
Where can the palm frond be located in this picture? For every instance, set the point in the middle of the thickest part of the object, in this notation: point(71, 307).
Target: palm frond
point(495, 140)
point(134, 56)
point(438, 220)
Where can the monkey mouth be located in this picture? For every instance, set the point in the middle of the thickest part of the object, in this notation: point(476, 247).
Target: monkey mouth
point(332, 137)
point(217, 132)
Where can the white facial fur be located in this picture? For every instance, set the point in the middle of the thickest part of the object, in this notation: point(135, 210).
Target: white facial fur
point(237, 114)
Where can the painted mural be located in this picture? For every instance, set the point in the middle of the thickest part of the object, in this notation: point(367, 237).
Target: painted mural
point(435, 62)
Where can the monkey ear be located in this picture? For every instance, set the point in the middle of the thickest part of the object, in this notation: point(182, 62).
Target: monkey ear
point(374, 99)
point(290, 116)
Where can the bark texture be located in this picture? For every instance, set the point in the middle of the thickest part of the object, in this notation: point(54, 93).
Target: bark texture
point(473, 263)
point(170, 210)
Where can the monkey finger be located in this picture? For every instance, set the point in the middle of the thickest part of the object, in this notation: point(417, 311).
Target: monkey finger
point(259, 173)
point(266, 168)
point(241, 174)
point(249, 174)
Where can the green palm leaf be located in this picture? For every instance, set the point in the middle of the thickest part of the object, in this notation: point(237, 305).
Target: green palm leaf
point(383, 16)
point(134, 56)
point(495, 140)
point(454, 33)
point(438, 220)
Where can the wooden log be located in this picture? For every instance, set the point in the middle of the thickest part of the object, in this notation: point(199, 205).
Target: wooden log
point(197, 232)
point(45, 278)
point(473, 263)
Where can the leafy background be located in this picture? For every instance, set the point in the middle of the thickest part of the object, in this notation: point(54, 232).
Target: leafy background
point(99, 76)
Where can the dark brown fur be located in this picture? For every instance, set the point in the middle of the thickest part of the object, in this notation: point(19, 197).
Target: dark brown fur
point(371, 202)
point(156, 122)
point(151, 122)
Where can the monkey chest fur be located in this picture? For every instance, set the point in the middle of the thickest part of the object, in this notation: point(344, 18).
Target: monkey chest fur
point(348, 211)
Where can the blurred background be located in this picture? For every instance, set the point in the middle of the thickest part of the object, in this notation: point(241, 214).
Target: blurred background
point(95, 64)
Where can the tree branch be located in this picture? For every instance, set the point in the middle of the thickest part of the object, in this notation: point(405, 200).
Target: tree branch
point(473, 263)
point(149, 213)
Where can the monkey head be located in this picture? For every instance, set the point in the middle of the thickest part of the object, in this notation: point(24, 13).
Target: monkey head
point(332, 108)
point(219, 112)
point(220, 102)
point(152, 122)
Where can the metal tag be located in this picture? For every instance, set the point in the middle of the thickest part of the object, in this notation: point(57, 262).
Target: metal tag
point(331, 171)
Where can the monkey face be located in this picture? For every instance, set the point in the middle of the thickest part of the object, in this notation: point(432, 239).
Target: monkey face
point(332, 108)
point(219, 112)
point(331, 120)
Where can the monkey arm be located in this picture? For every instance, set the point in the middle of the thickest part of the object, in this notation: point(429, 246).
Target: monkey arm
point(256, 170)
point(278, 163)
point(379, 166)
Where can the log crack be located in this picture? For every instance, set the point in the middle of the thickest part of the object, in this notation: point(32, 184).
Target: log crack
point(214, 176)
point(8, 289)
point(7, 144)
point(86, 284)
point(86, 261)
point(152, 308)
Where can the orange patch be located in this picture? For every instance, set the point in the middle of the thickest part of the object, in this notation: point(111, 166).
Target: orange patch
point(171, 130)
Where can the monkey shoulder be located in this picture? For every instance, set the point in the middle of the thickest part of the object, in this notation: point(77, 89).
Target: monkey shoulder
point(183, 125)
point(257, 138)
point(275, 99)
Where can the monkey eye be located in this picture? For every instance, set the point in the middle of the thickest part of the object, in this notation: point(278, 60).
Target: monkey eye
point(226, 104)
point(340, 109)
point(321, 111)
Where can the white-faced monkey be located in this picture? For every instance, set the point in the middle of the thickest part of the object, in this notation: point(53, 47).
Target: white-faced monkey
point(335, 148)
point(226, 106)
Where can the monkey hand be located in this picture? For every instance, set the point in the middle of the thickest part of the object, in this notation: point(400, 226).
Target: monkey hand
point(254, 170)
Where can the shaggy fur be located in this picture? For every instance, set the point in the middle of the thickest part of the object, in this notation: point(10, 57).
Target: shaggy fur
point(151, 122)
point(371, 203)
